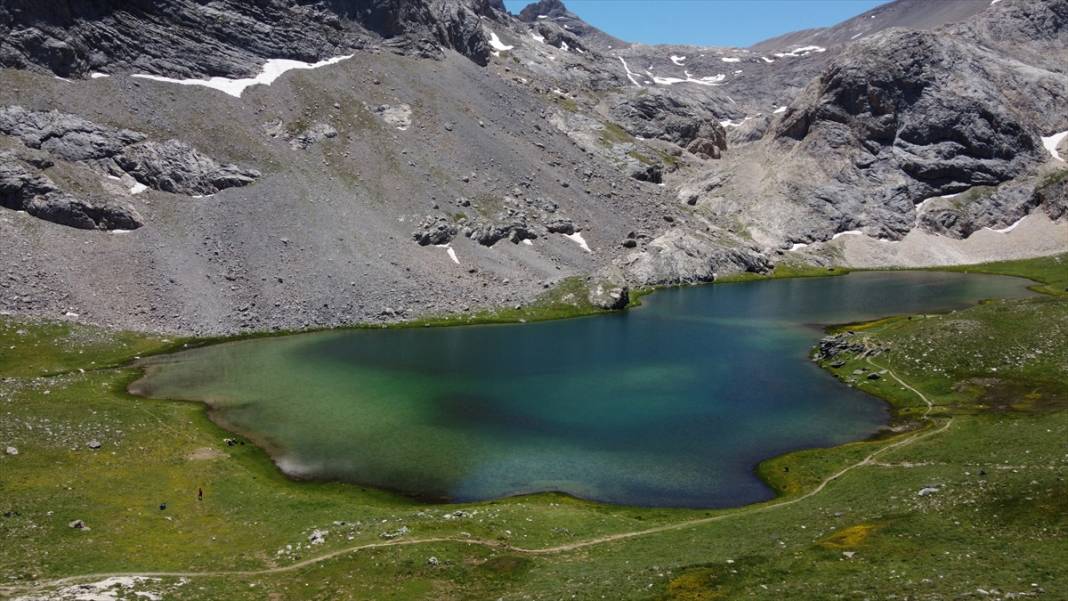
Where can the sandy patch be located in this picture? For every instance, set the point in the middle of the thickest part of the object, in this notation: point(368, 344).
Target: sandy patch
point(1033, 236)
point(205, 454)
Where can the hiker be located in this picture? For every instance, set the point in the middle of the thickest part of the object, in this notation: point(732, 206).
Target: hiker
point(200, 494)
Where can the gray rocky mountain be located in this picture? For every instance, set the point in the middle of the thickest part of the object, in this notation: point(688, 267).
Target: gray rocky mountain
point(295, 163)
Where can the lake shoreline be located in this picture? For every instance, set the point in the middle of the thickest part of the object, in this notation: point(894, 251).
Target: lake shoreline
point(274, 452)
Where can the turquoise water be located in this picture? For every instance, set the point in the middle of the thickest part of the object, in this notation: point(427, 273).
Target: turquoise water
point(670, 404)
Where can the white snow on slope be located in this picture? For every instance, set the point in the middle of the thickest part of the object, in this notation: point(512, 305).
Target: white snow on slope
point(564, 46)
point(678, 60)
point(730, 59)
point(138, 188)
point(857, 35)
point(497, 44)
point(1052, 142)
point(630, 74)
point(98, 75)
point(781, 109)
point(1007, 229)
point(798, 52)
point(767, 60)
point(848, 233)
point(712, 80)
point(578, 239)
point(798, 246)
point(271, 70)
point(537, 37)
point(450, 251)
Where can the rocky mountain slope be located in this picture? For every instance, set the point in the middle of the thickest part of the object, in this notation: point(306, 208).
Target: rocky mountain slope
point(223, 166)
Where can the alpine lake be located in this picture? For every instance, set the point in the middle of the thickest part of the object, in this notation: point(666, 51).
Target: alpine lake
point(671, 404)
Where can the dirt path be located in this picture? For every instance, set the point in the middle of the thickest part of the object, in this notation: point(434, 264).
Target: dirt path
point(494, 544)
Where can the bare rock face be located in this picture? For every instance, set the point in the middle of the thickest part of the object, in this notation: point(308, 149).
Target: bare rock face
point(657, 114)
point(228, 38)
point(170, 166)
point(681, 257)
point(178, 168)
point(23, 190)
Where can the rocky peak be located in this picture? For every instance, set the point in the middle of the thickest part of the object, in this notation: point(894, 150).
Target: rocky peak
point(543, 8)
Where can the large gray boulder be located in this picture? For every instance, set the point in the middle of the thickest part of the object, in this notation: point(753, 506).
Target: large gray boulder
point(608, 289)
point(681, 257)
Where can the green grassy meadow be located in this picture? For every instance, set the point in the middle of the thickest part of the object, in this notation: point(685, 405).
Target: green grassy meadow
point(991, 454)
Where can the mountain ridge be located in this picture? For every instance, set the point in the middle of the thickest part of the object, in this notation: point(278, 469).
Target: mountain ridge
point(467, 158)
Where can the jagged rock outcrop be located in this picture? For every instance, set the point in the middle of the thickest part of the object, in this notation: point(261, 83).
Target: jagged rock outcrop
point(38, 195)
point(435, 231)
point(660, 115)
point(178, 168)
point(488, 233)
point(680, 257)
point(170, 166)
point(227, 38)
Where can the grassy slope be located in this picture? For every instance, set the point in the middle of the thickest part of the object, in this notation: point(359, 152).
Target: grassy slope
point(997, 522)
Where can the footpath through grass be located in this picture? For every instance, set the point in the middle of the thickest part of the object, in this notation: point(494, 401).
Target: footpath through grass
point(979, 510)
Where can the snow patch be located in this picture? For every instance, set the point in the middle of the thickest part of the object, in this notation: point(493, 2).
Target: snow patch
point(847, 233)
point(138, 188)
point(712, 80)
point(1052, 142)
point(98, 75)
point(1007, 229)
point(798, 246)
point(578, 239)
point(678, 60)
point(450, 252)
point(564, 46)
point(730, 59)
point(781, 109)
point(857, 35)
point(537, 37)
point(271, 70)
point(630, 74)
point(528, 242)
point(497, 44)
point(799, 52)
point(767, 60)
point(729, 123)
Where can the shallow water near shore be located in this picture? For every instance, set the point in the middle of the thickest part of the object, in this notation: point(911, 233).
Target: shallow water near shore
point(672, 404)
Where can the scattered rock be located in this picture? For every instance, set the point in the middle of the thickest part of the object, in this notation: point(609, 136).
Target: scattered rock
point(403, 530)
point(399, 116)
point(11, 451)
point(93, 444)
point(78, 525)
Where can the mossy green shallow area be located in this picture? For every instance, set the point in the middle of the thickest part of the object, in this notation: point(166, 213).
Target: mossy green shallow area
point(994, 449)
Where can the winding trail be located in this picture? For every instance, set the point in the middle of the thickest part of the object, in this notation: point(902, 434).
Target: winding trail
point(496, 544)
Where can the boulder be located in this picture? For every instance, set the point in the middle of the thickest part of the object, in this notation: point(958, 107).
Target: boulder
point(178, 168)
point(608, 289)
point(680, 256)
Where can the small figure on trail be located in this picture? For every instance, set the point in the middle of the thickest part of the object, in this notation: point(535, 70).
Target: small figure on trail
point(200, 494)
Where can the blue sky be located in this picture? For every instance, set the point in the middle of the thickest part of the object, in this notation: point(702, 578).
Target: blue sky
point(708, 22)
